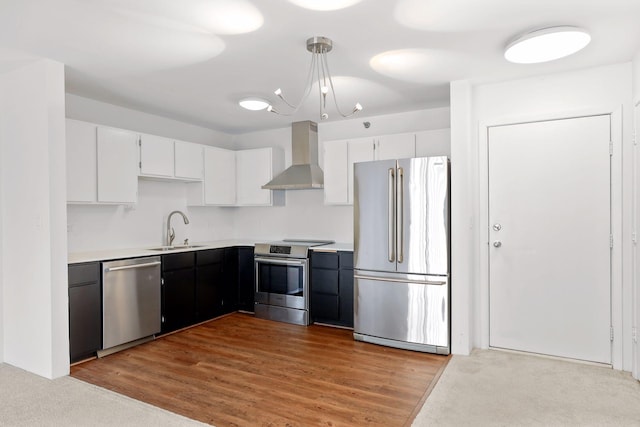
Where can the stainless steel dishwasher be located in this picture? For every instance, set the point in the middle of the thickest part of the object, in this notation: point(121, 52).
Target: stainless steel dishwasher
point(131, 302)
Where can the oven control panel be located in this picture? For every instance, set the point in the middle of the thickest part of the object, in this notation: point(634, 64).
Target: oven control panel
point(284, 250)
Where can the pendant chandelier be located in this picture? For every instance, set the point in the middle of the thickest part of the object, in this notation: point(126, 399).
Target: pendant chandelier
point(318, 72)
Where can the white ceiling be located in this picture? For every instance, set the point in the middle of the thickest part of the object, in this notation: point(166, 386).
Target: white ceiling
point(181, 59)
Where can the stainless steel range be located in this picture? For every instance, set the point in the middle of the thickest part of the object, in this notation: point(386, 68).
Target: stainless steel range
point(282, 280)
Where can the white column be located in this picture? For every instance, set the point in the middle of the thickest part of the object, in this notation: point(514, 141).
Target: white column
point(463, 235)
point(33, 215)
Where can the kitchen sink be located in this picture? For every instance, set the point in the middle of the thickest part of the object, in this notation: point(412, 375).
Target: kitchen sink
point(174, 248)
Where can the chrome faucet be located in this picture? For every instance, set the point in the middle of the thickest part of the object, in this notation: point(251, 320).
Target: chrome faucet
point(171, 234)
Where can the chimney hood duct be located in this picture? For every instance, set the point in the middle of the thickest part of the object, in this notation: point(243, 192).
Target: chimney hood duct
point(304, 173)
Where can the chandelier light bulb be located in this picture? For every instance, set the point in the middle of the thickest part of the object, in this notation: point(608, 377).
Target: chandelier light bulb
point(324, 116)
point(324, 90)
point(278, 92)
point(358, 107)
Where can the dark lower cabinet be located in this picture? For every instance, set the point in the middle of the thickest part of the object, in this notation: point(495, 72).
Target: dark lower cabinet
point(230, 285)
point(85, 310)
point(331, 283)
point(246, 277)
point(178, 291)
point(209, 283)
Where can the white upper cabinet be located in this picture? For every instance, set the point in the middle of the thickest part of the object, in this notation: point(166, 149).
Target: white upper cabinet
point(82, 172)
point(358, 150)
point(335, 167)
point(340, 156)
point(433, 143)
point(165, 158)
point(219, 185)
point(117, 156)
point(188, 160)
point(156, 156)
point(400, 146)
point(254, 168)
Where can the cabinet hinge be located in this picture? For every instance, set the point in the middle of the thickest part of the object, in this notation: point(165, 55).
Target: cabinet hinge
point(140, 165)
point(161, 319)
point(611, 333)
point(634, 238)
point(634, 334)
point(139, 142)
point(611, 241)
point(610, 148)
point(162, 281)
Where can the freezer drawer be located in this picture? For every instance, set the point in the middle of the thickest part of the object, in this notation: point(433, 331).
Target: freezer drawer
point(404, 311)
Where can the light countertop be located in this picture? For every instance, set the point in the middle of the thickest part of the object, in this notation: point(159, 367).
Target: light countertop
point(111, 254)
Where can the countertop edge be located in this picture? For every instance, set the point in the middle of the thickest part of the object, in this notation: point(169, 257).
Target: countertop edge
point(114, 254)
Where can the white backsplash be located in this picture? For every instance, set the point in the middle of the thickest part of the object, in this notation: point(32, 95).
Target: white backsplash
point(101, 227)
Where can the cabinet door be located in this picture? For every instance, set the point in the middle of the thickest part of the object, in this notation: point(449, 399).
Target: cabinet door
point(336, 173)
point(85, 310)
point(253, 170)
point(209, 285)
point(156, 156)
point(219, 176)
point(188, 160)
point(358, 150)
point(117, 166)
point(82, 172)
point(401, 146)
point(178, 299)
point(246, 277)
point(435, 142)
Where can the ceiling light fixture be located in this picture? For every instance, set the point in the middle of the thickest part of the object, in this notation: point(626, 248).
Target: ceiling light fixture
point(546, 44)
point(318, 72)
point(253, 104)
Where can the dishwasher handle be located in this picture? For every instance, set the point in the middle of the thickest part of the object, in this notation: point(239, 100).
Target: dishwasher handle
point(128, 267)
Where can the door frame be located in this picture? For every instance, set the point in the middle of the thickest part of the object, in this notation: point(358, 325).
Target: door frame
point(482, 303)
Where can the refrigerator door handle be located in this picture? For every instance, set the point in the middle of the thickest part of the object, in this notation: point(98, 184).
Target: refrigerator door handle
point(391, 212)
point(400, 215)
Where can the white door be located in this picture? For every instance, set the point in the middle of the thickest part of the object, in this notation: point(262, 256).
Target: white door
point(549, 238)
point(117, 168)
point(156, 156)
point(253, 170)
point(82, 171)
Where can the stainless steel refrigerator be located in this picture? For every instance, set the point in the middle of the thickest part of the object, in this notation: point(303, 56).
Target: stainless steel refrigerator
point(401, 253)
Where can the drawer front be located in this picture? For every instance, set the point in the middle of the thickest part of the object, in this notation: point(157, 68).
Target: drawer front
point(210, 256)
point(80, 274)
point(177, 261)
point(346, 260)
point(328, 260)
point(324, 281)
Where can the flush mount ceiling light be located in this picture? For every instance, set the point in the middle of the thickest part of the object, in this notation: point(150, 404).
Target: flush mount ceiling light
point(546, 44)
point(318, 73)
point(253, 104)
point(324, 5)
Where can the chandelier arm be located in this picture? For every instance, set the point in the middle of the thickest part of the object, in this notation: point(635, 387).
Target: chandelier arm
point(307, 89)
point(333, 91)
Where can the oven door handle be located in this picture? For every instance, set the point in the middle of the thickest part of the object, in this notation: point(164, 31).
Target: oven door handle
point(281, 261)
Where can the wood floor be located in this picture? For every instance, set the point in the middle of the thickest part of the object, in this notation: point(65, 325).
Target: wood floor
point(242, 371)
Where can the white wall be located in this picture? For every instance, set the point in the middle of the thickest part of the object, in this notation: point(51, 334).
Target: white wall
point(305, 215)
point(144, 224)
point(636, 211)
point(603, 89)
point(34, 257)
point(93, 111)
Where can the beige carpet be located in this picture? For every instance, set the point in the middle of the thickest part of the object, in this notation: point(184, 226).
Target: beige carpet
point(29, 400)
point(494, 388)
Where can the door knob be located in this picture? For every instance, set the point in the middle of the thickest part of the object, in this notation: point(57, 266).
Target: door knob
point(497, 244)
point(497, 227)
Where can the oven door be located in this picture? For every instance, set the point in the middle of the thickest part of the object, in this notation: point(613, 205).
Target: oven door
point(282, 282)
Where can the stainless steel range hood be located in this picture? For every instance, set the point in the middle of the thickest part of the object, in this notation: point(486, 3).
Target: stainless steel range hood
point(304, 173)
